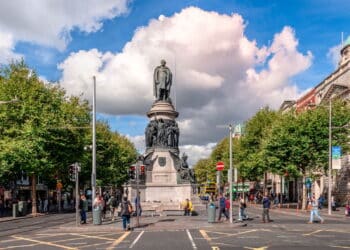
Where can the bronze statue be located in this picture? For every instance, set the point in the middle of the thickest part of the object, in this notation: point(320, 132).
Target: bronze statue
point(162, 82)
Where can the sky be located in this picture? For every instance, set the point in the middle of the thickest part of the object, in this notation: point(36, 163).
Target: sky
point(229, 58)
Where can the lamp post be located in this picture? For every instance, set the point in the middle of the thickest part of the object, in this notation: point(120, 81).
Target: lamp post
point(93, 174)
point(330, 158)
point(230, 175)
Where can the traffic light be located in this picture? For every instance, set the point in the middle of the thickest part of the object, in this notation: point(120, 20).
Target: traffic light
point(72, 172)
point(142, 170)
point(132, 173)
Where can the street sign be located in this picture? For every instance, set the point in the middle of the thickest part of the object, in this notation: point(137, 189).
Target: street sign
point(220, 166)
point(59, 185)
point(308, 183)
point(336, 157)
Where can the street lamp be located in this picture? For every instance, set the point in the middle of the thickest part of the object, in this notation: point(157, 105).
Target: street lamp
point(93, 174)
point(330, 158)
point(230, 175)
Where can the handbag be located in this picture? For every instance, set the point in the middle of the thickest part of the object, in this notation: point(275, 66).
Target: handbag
point(129, 208)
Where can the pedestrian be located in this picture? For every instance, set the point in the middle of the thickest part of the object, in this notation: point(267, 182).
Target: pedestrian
point(46, 204)
point(187, 207)
point(333, 204)
point(347, 208)
point(266, 208)
point(113, 204)
point(242, 206)
point(83, 205)
point(227, 204)
point(138, 204)
point(2, 208)
point(320, 202)
point(98, 204)
point(222, 207)
point(314, 210)
point(126, 211)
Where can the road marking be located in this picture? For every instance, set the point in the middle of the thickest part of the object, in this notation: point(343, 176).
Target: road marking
point(92, 236)
point(315, 232)
point(256, 248)
point(117, 241)
point(21, 246)
point(43, 242)
point(205, 235)
point(191, 239)
point(215, 248)
point(136, 240)
point(340, 247)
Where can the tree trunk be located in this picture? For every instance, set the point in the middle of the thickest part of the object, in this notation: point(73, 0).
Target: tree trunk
point(34, 206)
point(303, 201)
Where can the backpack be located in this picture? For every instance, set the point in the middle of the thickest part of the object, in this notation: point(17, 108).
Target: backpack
point(115, 202)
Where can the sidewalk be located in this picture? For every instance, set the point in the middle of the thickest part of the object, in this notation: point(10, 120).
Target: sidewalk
point(290, 209)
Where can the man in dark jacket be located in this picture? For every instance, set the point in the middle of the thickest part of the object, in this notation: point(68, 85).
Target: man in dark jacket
point(266, 207)
point(126, 211)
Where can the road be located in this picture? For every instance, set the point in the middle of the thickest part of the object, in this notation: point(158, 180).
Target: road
point(287, 231)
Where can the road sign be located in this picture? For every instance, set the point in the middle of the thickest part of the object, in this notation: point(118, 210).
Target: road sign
point(220, 166)
point(308, 183)
point(59, 186)
point(336, 157)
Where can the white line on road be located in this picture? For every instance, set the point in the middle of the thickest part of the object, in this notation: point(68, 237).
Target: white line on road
point(191, 239)
point(136, 240)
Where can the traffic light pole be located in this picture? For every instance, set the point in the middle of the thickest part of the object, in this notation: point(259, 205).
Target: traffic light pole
point(76, 168)
point(137, 171)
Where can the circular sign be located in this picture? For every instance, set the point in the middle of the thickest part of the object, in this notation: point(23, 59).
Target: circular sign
point(220, 166)
point(59, 185)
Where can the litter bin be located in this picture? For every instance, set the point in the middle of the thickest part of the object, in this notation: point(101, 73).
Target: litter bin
point(14, 210)
point(211, 213)
point(22, 208)
point(96, 215)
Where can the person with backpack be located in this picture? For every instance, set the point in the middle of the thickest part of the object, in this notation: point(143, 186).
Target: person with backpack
point(126, 211)
point(222, 207)
point(113, 204)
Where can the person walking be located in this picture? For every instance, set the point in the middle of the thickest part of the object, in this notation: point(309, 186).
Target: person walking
point(2, 207)
point(222, 207)
point(242, 206)
point(113, 204)
point(138, 204)
point(266, 208)
point(126, 211)
point(314, 210)
point(83, 205)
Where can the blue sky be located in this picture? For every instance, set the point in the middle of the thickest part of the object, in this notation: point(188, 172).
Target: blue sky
point(229, 57)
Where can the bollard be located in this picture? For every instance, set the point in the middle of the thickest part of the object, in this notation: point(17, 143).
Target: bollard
point(211, 213)
point(15, 210)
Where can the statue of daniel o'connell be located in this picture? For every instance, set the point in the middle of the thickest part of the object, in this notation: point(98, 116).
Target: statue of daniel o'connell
point(162, 80)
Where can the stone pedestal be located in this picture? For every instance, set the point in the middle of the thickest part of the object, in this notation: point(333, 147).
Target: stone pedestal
point(164, 187)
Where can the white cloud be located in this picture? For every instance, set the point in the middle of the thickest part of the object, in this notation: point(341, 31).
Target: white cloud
point(196, 152)
point(7, 45)
point(214, 64)
point(50, 22)
point(334, 55)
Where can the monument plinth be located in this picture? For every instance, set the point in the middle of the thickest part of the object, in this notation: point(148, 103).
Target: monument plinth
point(168, 179)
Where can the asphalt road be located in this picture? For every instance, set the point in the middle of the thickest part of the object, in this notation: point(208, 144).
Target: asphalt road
point(287, 231)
